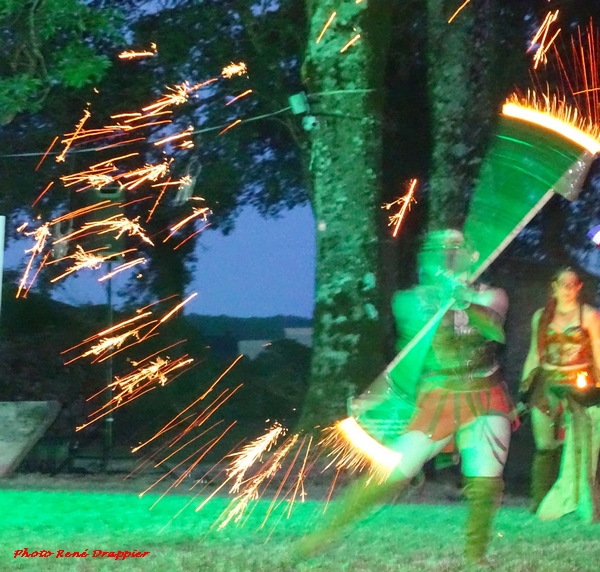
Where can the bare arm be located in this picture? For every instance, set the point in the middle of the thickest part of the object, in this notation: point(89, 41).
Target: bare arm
point(532, 360)
point(591, 322)
point(487, 311)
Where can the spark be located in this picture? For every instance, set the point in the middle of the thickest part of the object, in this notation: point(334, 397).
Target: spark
point(556, 115)
point(40, 235)
point(160, 195)
point(236, 122)
point(350, 43)
point(46, 153)
point(405, 201)
point(327, 24)
point(191, 236)
point(181, 135)
point(132, 54)
point(68, 142)
point(137, 383)
point(146, 173)
point(83, 259)
point(187, 145)
point(541, 36)
point(121, 268)
point(178, 95)
point(458, 11)
point(117, 224)
point(43, 193)
point(234, 69)
point(197, 212)
point(243, 94)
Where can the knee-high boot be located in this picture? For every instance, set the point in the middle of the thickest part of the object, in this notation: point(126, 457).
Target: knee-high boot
point(484, 495)
point(544, 472)
point(356, 500)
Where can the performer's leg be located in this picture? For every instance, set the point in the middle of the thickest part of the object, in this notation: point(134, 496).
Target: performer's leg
point(546, 460)
point(483, 445)
point(415, 449)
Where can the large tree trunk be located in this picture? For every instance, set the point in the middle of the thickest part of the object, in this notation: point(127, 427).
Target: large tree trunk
point(345, 166)
point(463, 103)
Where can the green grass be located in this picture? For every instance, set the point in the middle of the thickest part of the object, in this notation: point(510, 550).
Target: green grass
point(408, 538)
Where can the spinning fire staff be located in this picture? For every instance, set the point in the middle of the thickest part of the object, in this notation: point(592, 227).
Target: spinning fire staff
point(444, 386)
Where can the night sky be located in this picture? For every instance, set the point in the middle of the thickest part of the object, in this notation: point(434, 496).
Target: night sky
point(263, 268)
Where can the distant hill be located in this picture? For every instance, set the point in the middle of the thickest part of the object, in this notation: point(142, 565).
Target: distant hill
point(246, 328)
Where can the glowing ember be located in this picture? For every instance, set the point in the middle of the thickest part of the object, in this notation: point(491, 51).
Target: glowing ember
point(350, 43)
point(327, 24)
point(132, 54)
point(458, 11)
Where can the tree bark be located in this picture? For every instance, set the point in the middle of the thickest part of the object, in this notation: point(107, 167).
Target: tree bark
point(345, 166)
point(463, 103)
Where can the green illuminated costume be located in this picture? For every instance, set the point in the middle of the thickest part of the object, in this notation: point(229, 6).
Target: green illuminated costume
point(553, 389)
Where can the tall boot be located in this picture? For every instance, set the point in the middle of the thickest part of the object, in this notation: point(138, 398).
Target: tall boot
point(484, 495)
point(544, 472)
point(359, 497)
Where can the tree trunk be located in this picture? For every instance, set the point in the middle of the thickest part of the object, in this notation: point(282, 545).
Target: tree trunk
point(463, 105)
point(345, 166)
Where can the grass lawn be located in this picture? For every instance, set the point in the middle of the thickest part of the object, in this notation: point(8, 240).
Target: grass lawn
point(410, 538)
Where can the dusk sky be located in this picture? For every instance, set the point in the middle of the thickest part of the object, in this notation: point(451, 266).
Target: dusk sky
point(264, 267)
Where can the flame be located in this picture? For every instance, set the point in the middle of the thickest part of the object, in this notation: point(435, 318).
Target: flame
point(582, 380)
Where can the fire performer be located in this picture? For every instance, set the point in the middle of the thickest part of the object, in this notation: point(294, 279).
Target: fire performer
point(461, 402)
point(560, 383)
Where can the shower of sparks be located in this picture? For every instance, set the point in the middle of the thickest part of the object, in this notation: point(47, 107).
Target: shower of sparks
point(237, 97)
point(146, 173)
point(92, 260)
point(350, 43)
point(203, 415)
point(69, 141)
point(234, 69)
point(405, 202)
point(40, 235)
point(236, 122)
point(458, 11)
point(177, 95)
point(327, 24)
point(138, 382)
point(553, 113)
point(117, 224)
point(132, 54)
point(542, 41)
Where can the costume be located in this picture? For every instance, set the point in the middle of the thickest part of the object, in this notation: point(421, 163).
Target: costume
point(564, 391)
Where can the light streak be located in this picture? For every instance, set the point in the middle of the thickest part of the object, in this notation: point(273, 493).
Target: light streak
point(146, 173)
point(43, 193)
point(234, 69)
point(117, 224)
point(405, 201)
point(40, 235)
point(83, 259)
point(181, 135)
point(236, 122)
point(327, 24)
point(350, 43)
point(554, 114)
point(192, 236)
point(69, 141)
point(132, 54)
point(46, 153)
point(541, 36)
point(160, 195)
point(243, 94)
point(458, 11)
point(121, 268)
point(197, 212)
